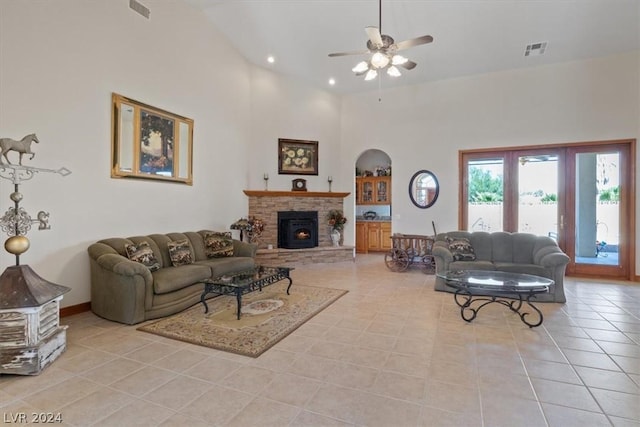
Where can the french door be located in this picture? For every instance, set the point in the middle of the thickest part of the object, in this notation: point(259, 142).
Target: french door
point(581, 195)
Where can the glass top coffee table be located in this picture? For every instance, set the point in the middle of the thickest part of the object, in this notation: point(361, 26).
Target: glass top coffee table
point(244, 282)
point(486, 287)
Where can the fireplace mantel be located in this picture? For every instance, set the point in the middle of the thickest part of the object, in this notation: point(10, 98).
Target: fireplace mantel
point(258, 193)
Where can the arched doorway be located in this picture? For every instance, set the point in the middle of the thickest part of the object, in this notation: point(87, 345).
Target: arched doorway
point(373, 202)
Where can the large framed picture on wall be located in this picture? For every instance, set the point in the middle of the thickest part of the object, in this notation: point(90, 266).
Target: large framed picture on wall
point(150, 143)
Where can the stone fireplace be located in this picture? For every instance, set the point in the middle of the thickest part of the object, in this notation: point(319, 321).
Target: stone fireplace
point(265, 205)
point(297, 229)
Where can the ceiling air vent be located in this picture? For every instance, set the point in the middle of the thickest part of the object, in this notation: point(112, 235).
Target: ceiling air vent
point(140, 8)
point(535, 49)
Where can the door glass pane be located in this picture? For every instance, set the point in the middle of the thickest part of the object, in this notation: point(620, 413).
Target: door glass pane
point(485, 194)
point(597, 207)
point(538, 195)
point(367, 192)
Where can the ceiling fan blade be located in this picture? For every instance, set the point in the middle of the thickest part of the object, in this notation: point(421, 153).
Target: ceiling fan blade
point(374, 36)
point(413, 42)
point(355, 52)
point(409, 65)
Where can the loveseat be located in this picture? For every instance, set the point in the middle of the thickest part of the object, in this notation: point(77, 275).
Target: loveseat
point(146, 277)
point(511, 252)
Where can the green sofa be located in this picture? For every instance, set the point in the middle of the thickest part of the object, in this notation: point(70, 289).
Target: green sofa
point(130, 292)
point(511, 252)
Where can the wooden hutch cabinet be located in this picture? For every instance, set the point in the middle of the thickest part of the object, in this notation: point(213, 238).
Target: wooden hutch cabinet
point(373, 190)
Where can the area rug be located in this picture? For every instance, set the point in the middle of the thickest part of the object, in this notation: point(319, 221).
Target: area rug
point(267, 317)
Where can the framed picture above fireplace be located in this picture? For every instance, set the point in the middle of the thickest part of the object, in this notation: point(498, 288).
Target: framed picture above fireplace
point(297, 157)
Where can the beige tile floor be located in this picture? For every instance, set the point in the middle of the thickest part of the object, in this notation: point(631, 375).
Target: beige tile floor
point(392, 352)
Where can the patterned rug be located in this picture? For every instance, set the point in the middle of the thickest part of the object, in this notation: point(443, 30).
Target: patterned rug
point(267, 317)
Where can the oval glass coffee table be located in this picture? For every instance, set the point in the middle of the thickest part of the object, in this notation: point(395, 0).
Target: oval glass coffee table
point(476, 288)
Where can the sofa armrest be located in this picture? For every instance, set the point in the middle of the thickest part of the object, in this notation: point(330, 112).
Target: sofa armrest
point(554, 259)
point(443, 257)
point(550, 256)
point(441, 250)
point(121, 265)
point(244, 249)
point(121, 289)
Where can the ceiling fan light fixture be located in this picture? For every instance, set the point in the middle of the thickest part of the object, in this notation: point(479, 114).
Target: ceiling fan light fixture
point(360, 67)
point(393, 71)
point(379, 60)
point(398, 60)
point(371, 74)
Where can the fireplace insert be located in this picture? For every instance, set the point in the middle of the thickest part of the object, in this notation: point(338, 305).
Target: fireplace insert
point(297, 229)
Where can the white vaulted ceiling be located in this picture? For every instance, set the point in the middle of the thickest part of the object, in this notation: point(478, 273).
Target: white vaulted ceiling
point(470, 36)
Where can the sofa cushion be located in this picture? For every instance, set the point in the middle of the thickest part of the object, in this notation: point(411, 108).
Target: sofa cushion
point(143, 254)
point(535, 270)
point(225, 265)
point(523, 247)
point(173, 278)
point(218, 244)
point(502, 246)
point(471, 265)
point(180, 252)
point(461, 249)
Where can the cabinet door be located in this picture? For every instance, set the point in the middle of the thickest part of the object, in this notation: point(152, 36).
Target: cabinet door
point(358, 191)
point(361, 238)
point(373, 236)
point(383, 190)
point(385, 236)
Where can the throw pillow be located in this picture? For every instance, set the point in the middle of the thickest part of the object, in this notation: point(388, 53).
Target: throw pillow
point(217, 245)
point(180, 252)
point(461, 249)
point(143, 254)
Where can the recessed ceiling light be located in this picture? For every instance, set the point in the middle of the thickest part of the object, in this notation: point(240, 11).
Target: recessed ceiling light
point(271, 59)
point(332, 81)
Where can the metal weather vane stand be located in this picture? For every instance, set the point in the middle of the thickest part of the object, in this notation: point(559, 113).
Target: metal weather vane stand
point(30, 333)
point(16, 222)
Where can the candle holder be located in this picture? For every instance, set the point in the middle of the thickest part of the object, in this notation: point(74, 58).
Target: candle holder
point(266, 182)
point(329, 180)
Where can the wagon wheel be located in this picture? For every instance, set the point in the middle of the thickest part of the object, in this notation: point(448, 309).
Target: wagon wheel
point(396, 260)
point(428, 264)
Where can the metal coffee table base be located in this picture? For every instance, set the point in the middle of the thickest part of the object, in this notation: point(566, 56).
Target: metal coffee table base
point(465, 300)
point(238, 291)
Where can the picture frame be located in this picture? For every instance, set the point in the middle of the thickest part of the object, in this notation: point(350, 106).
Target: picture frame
point(150, 143)
point(297, 157)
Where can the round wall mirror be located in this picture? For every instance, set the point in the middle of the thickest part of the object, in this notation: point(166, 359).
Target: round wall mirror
point(423, 189)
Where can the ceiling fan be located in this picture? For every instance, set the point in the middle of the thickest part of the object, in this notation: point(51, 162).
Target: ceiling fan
point(383, 50)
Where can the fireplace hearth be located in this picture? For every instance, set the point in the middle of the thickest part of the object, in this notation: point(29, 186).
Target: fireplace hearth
point(297, 229)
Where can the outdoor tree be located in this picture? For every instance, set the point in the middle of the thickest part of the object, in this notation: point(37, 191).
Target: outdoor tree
point(484, 187)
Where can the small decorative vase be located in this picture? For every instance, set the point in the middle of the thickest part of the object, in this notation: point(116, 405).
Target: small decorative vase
point(335, 237)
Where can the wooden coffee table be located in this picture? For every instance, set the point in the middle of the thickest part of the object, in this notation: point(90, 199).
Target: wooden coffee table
point(244, 282)
point(486, 287)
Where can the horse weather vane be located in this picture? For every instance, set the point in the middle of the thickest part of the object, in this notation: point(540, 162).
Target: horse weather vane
point(16, 222)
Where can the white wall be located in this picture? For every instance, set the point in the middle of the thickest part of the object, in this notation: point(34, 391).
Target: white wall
point(285, 108)
point(424, 127)
point(60, 61)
